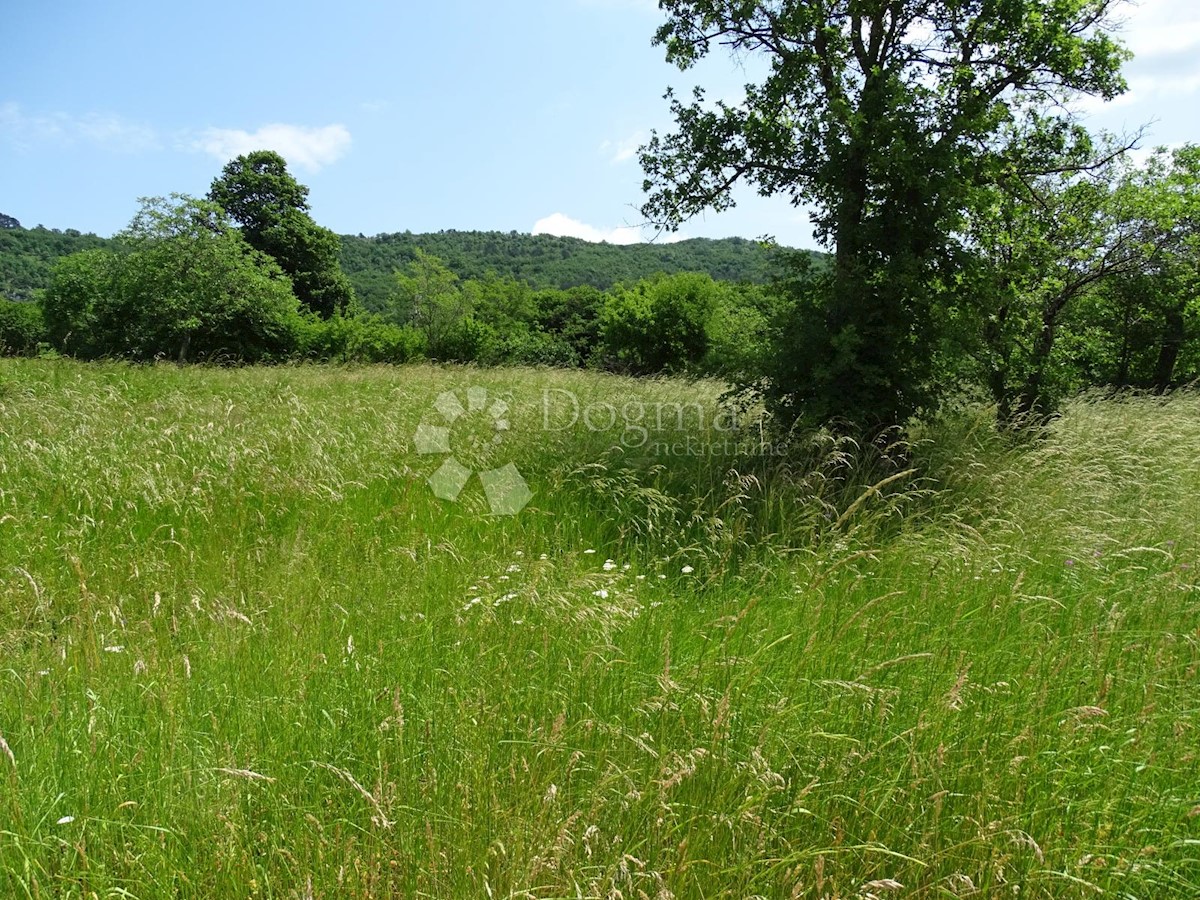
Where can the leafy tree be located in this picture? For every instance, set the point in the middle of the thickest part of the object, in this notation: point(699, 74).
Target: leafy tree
point(572, 318)
point(1044, 243)
point(78, 306)
point(259, 194)
point(881, 115)
point(1168, 192)
point(1089, 274)
point(428, 295)
point(183, 284)
point(21, 328)
point(660, 324)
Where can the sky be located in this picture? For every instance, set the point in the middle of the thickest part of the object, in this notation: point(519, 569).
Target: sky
point(521, 116)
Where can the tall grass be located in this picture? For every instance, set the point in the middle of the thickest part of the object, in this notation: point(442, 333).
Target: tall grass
point(247, 652)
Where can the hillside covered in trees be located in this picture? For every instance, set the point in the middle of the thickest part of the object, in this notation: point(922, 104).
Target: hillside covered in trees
point(547, 261)
point(28, 255)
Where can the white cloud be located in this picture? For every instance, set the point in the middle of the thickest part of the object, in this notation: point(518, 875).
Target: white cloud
point(310, 149)
point(112, 132)
point(563, 225)
point(1164, 36)
point(1161, 27)
point(623, 150)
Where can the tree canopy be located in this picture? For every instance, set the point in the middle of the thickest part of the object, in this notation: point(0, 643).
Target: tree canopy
point(181, 283)
point(881, 116)
point(259, 193)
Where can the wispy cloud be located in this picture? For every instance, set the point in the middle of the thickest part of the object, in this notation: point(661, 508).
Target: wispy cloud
point(563, 225)
point(1161, 27)
point(310, 149)
point(107, 130)
point(1164, 36)
point(623, 150)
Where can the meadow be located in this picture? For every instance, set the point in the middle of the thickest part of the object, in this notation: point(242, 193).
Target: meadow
point(246, 651)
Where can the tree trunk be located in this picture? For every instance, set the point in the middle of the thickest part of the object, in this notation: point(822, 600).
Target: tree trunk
point(1168, 351)
point(1030, 397)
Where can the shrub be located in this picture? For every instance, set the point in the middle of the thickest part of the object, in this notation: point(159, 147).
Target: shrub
point(661, 324)
point(187, 286)
point(22, 328)
point(357, 338)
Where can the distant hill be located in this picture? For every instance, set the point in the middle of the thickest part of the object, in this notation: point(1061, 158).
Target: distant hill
point(27, 256)
point(544, 260)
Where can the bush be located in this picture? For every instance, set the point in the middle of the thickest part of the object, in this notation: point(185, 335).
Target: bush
point(81, 289)
point(357, 338)
point(737, 338)
point(22, 328)
point(661, 324)
point(187, 286)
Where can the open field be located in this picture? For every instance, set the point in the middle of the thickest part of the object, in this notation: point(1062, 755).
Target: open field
point(245, 651)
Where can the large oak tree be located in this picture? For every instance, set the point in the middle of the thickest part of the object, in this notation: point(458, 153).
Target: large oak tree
point(881, 116)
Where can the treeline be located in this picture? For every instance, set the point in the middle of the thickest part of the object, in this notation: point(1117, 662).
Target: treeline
point(191, 290)
point(246, 275)
point(28, 255)
point(546, 261)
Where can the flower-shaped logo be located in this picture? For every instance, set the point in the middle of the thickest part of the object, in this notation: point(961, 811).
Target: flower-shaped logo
point(475, 429)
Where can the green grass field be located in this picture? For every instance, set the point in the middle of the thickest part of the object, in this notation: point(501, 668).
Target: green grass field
point(246, 652)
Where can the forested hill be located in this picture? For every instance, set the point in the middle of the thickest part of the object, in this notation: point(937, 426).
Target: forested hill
point(27, 256)
point(544, 260)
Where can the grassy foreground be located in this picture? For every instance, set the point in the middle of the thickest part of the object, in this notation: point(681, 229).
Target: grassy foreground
point(246, 652)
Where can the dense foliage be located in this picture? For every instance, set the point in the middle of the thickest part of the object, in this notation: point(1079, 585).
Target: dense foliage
point(181, 283)
point(547, 261)
point(540, 260)
point(883, 118)
point(21, 328)
point(28, 255)
point(271, 207)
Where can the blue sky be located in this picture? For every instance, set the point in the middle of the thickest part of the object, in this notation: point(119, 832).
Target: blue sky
point(467, 115)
